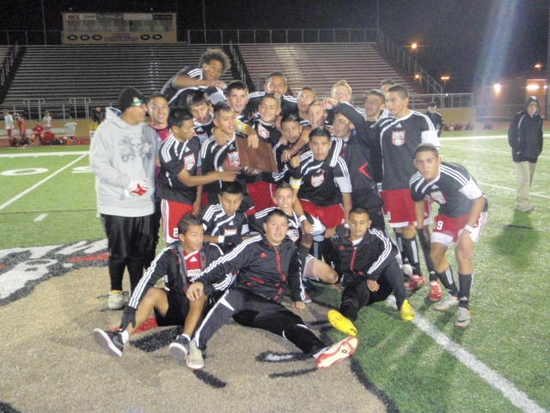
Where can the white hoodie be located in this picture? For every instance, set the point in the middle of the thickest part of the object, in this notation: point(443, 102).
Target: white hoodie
point(121, 153)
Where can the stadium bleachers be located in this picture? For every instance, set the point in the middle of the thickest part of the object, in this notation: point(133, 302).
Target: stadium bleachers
point(57, 73)
point(54, 75)
point(320, 65)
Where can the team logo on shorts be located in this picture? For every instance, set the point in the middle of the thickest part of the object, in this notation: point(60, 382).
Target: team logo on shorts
point(398, 137)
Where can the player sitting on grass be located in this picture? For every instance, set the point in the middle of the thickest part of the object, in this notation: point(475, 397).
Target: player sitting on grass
point(181, 263)
point(268, 266)
point(369, 269)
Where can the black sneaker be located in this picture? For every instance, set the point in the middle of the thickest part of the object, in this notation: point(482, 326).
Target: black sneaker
point(179, 348)
point(111, 341)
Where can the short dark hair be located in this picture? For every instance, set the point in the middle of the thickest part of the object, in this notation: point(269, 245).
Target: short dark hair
point(284, 185)
point(426, 147)
point(231, 188)
point(237, 85)
point(155, 95)
point(388, 82)
point(359, 210)
point(222, 107)
point(186, 221)
point(319, 131)
point(197, 98)
point(292, 117)
point(402, 90)
point(179, 115)
point(275, 213)
point(377, 93)
point(216, 54)
point(271, 96)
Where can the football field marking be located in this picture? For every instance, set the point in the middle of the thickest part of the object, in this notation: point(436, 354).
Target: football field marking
point(505, 386)
point(32, 188)
point(40, 217)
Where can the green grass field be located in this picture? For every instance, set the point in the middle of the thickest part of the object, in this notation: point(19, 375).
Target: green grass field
point(500, 364)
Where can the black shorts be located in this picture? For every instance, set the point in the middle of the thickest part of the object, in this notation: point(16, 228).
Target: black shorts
point(178, 307)
point(129, 237)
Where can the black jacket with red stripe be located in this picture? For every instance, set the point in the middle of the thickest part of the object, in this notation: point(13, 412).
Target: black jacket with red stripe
point(266, 270)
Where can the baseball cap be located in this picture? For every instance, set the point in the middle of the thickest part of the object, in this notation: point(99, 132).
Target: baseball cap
point(130, 97)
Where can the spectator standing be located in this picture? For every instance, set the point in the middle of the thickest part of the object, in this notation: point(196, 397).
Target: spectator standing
point(525, 139)
point(8, 120)
point(123, 155)
point(435, 117)
point(47, 121)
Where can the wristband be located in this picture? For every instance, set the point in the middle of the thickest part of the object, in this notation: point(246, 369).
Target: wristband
point(302, 218)
point(221, 239)
point(468, 228)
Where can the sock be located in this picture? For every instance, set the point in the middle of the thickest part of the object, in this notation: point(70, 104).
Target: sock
point(465, 282)
point(447, 279)
point(125, 336)
point(410, 252)
point(399, 242)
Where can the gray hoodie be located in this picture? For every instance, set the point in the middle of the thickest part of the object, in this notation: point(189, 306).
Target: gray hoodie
point(119, 154)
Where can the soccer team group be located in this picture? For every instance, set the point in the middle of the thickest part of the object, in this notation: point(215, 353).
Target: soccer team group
point(260, 194)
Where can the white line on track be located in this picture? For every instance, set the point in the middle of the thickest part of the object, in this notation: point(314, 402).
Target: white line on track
point(32, 188)
point(40, 217)
point(506, 387)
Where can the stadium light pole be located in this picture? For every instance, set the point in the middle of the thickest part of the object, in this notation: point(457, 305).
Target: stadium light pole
point(44, 22)
point(204, 19)
point(414, 48)
point(445, 79)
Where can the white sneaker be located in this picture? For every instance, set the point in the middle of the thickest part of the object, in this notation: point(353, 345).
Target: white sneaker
point(447, 303)
point(194, 359)
point(463, 318)
point(116, 300)
point(337, 352)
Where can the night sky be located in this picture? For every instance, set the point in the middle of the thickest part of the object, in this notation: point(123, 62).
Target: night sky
point(455, 36)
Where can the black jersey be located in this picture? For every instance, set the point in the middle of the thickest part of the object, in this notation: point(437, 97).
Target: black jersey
point(398, 141)
point(267, 132)
point(170, 265)
point(204, 130)
point(454, 190)
point(176, 156)
point(437, 120)
point(323, 182)
point(176, 96)
point(217, 223)
point(289, 104)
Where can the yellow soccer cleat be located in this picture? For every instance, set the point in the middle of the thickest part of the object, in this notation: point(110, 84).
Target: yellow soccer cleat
point(407, 312)
point(341, 323)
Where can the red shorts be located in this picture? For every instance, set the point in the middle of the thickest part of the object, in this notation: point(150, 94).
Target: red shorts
point(261, 193)
point(447, 229)
point(399, 208)
point(331, 216)
point(171, 215)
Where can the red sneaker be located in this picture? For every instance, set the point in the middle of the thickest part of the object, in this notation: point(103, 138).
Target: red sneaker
point(415, 282)
point(435, 291)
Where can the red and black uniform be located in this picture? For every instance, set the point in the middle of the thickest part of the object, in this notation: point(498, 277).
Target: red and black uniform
point(266, 272)
point(289, 104)
point(177, 96)
point(217, 223)
point(213, 157)
point(371, 258)
point(177, 198)
point(177, 270)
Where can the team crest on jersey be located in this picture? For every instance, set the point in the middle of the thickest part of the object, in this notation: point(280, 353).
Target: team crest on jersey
point(438, 197)
point(262, 132)
point(229, 232)
point(189, 161)
point(293, 234)
point(234, 159)
point(398, 137)
point(317, 180)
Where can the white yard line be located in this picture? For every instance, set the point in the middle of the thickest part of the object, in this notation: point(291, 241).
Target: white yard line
point(40, 154)
point(506, 387)
point(40, 217)
point(32, 188)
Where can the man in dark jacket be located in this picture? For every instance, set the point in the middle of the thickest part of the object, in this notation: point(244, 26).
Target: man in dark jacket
point(181, 263)
point(369, 269)
point(268, 265)
point(525, 139)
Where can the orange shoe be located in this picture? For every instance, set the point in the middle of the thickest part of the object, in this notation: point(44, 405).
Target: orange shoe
point(415, 282)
